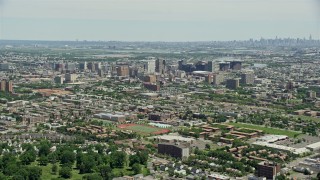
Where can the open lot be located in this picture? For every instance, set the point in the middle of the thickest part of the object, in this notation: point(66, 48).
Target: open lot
point(267, 130)
point(143, 129)
point(49, 92)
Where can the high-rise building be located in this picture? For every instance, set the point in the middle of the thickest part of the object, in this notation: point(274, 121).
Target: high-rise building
point(268, 169)
point(58, 80)
point(91, 67)
point(232, 83)
point(176, 151)
point(70, 78)
point(3, 85)
point(312, 94)
point(123, 70)
point(150, 66)
point(83, 66)
point(236, 65)
point(150, 78)
point(217, 79)
point(101, 72)
point(247, 78)
point(59, 67)
point(71, 67)
point(224, 66)
point(210, 66)
point(9, 86)
point(6, 86)
point(160, 66)
point(97, 66)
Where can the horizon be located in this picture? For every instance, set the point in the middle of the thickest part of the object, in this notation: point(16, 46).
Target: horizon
point(155, 20)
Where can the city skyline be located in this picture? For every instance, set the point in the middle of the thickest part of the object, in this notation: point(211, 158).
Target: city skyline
point(182, 20)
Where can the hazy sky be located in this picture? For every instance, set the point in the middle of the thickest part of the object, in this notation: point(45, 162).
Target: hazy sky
point(158, 20)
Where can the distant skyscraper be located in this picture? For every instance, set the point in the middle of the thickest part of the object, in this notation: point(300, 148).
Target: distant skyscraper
point(6, 86)
point(232, 83)
point(97, 66)
point(58, 80)
point(70, 67)
point(83, 66)
point(247, 78)
point(150, 66)
point(224, 66)
point(236, 65)
point(91, 67)
point(210, 66)
point(70, 78)
point(123, 70)
point(161, 66)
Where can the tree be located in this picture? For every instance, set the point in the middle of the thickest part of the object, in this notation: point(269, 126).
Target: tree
point(54, 169)
point(3, 177)
point(28, 157)
point(67, 157)
point(34, 173)
point(208, 146)
point(136, 168)
point(118, 159)
point(43, 160)
point(87, 164)
point(44, 148)
point(133, 159)
point(65, 172)
point(105, 171)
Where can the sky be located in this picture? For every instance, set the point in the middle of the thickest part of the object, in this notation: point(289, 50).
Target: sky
point(158, 20)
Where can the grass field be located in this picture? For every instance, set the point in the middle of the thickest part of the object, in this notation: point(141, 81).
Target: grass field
point(47, 175)
point(267, 130)
point(143, 129)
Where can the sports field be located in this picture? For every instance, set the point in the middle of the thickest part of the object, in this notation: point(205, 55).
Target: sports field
point(143, 129)
point(267, 130)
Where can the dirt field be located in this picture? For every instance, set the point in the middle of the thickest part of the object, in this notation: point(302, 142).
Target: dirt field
point(49, 92)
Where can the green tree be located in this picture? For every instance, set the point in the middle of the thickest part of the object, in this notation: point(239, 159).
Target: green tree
point(65, 172)
point(67, 157)
point(28, 157)
point(54, 169)
point(34, 173)
point(43, 160)
point(136, 168)
point(105, 171)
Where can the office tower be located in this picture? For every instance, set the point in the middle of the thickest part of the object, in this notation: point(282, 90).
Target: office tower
point(3, 85)
point(217, 79)
point(290, 85)
point(58, 80)
point(91, 67)
point(83, 66)
point(161, 66)
point(210, 66)
point(6, 86)
point(97, 66)
point(201, 66)
point(9, 86)
point(180, 64)
point(312, 94)
point(123, 70)
point(150, 66)
point(209, 78)
point(232, 83)
point(59, 67)
point(71, 67)
point(247, 78)
point(224, 66)
point(268, 169)
point(101, 72)
point(150, 78)
point(70, 78)
point(236, 65)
